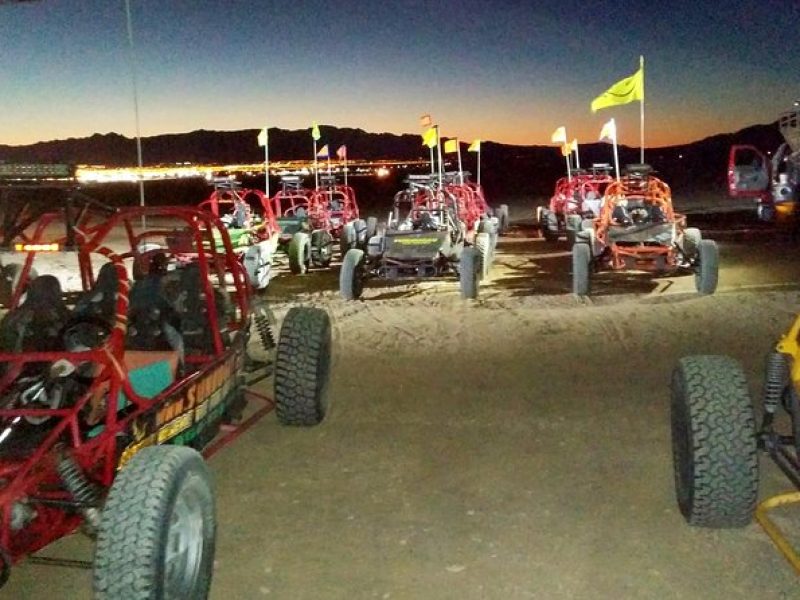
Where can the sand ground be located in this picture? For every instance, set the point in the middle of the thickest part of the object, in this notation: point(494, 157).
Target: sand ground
point(512, 447)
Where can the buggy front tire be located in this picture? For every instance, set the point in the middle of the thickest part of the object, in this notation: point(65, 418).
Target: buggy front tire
point(372, 227)
point(299, 252)
point(581, 266)
point(351, 275)
point(302, 367)
point(158, 529)
point(714, 447)
point(691, 242)
point(347, 239)
point(483, 243)
point(469, 270)
point(707, 273)
point(502, 219)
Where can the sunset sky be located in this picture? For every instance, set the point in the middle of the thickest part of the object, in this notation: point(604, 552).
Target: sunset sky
point(508, 71)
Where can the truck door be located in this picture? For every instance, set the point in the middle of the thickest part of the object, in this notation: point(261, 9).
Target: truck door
point(748, 172)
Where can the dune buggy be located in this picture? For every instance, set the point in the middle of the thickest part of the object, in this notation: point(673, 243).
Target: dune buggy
point(252, 227)
point(775, 183)
point(473, 207)
point(637, 229)
point(109, 388)
point(312, 220)
point(575, 199)
point(715, 439)
point(424, 236)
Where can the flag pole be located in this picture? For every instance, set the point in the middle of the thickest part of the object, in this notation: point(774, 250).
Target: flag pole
point(316, 172)
point(439, 152)
point(641, 113)
point(460, 170)
point(345, 167)
point(569, 172)
point(266, 163)
point(432, 163)
point(577, 156)
point(479, 164)
point(616, 155)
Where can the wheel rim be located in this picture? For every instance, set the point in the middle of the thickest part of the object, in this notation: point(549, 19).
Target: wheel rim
point(185, 545)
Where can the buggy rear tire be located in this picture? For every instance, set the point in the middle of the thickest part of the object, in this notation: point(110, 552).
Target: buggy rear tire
point(691, 242)
point(581, 267)
point(707, 273)
point(322, 248)
point(351, 275)
point(714, 447)
point(347, 239)
point(469, 270)
point(372, 227)
point(550, 226)
point(302, 367)
point(158, 528)
point(483, 243)
point(502, 218)
point(299, 252)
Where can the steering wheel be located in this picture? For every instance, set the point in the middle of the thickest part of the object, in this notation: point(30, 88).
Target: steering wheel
point(85, 333)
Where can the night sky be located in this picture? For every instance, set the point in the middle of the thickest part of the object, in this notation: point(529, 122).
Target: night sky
point(500, 70)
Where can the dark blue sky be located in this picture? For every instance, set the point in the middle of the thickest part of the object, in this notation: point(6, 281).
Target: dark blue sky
point(510, 71)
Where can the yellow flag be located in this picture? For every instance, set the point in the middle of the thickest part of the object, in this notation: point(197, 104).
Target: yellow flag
point(573, 145)
point(315, 131)
point(451, 146)
point(565, 149)
point(624, 91)
point(559, 136)
point(429, 138)
point(474, 146)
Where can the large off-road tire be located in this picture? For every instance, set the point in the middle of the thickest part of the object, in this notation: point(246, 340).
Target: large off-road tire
point(158, 529)
point(299, 252)
point(707, 273)
point(713, 442)
point(302, 367)
point(488, 225)
point(322, 248)
point(469, 271)
point(573, 226)
point(351, 275)
point(372, 227)
point(550, 227)
point(360, 227)
point(347, 239)
point(691, 242)
point(483, 243)
point(581, 269)
point(501, 212)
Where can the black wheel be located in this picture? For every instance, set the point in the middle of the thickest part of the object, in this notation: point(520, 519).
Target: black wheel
point(347, 239)
point(707, 271)
point(483, 243)
point(351, 275)
point(322, 248)
point(360, 228)
point(502, 218)
point(372, 227)
point(469, 270)
point(299, 252)
point(158, 528)
point(550, 227)
point(581, 263)
point(713, 442)
point(691, 242)
point(302, 367)
point(573, 226)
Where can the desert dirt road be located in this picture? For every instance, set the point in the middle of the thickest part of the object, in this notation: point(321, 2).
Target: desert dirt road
point(512, 447)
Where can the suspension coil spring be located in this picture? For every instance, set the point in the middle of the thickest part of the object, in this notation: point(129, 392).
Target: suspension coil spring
point(775, 380)
point(265, 326)
point(82, 490)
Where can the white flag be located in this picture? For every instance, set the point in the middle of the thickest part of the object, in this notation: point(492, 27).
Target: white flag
point(609, 132)
point(262, 137)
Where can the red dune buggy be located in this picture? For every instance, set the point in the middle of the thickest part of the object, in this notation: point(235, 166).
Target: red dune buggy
point(424, 236)
point(575, 199)
point(252, 227)
point(110, 388)
point(637, 229)
point(311, 220)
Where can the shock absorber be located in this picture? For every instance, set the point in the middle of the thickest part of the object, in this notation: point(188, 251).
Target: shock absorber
point(83, 491)
point(775, 381)
point(265, 319)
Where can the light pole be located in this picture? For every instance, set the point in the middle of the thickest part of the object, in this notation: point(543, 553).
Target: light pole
point(132, 58)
